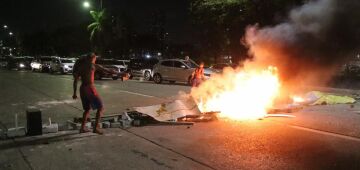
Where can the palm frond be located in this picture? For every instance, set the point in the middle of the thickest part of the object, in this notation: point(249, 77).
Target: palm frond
point(92, 25)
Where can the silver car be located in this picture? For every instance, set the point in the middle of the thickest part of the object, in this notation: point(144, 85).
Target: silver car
point(174, 70)
point(62, 65)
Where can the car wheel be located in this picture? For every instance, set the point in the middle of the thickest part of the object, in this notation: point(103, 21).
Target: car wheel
point(62, 71)
point(97, 76)
point(172, 82)
point(147, 76)
point(51, 71)
point(115, 78)
point(157, 78)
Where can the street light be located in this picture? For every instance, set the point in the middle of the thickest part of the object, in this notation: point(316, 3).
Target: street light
point(5, 26)
point(10, 33)
point(86, 4)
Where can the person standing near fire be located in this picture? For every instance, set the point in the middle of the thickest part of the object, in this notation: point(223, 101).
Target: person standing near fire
point(84, 69)
point(198, 75)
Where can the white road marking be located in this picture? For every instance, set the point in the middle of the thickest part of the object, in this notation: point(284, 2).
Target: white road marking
point(139, 94)
point(124, 91)
point(326, 133)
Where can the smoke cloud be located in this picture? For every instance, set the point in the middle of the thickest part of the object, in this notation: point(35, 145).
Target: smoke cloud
point(311, 44)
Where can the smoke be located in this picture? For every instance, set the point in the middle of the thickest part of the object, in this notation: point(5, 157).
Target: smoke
point(313, 42)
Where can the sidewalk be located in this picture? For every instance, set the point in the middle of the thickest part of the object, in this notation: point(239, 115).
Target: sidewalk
point(117, 149)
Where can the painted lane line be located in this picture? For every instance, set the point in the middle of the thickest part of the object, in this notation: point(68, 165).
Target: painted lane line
point(139, 94)
point(326, 133)
point(124, 91)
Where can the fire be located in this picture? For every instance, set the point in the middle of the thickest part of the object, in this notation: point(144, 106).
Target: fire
point(298, 99)
point(239, 94)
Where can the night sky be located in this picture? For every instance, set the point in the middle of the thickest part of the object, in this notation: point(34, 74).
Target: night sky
point(26, 16)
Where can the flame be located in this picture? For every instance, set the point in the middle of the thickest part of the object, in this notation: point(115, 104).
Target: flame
point(298, 99)
point(239, 94)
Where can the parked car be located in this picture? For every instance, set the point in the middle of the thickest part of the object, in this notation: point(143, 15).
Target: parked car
point(3, 62)
point(62, 65)
point(121, 64)
point(106, 71)
point(19, 63)
point(36, 65)
point(142, 67)
point(44, 63)
point(173, 70)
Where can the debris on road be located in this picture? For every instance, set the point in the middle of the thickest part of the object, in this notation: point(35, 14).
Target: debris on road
point(50, 128)
point(171, 111)
point(289, 108)
point(16, 131)
point(321, 98)
point(204, 117)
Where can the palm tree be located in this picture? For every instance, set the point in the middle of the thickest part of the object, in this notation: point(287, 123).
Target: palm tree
point(97, 27)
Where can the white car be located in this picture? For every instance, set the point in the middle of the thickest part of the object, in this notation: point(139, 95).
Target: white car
point(121, 64)
point(142, 67)
point(36, 65)
point(173, 70)
point(62, 65)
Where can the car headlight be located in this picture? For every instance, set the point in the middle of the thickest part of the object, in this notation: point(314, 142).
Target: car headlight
point(66, 66)
point(21, 65)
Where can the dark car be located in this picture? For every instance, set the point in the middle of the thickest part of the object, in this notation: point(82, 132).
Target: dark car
point(142, 67)
point(106, 71)
point(45, 62)
point(19, 63)
point(3, 62)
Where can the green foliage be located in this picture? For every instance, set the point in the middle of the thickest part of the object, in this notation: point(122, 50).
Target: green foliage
point(98, 23)
point(223, 22)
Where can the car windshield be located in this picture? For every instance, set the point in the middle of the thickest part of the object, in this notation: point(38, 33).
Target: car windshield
point(67, 61)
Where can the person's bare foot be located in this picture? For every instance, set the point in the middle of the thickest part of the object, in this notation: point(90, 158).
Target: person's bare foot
point(98, 131)
point(85, 130)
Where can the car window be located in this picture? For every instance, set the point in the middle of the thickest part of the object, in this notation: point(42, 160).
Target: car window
point(179, 64)
point(167, 63)
point(118, 62)
point(46, 59)
point(104, 62)
point(191, 64)
point(67, 61)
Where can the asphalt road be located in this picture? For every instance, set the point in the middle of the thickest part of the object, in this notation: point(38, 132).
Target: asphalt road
point(320, 137)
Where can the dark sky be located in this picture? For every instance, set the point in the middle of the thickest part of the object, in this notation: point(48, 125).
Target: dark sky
point(26, 16)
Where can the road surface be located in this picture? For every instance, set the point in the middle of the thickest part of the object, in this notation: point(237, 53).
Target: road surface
point(320, 137)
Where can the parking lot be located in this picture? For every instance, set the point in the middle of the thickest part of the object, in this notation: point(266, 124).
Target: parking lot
point(320, 137)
